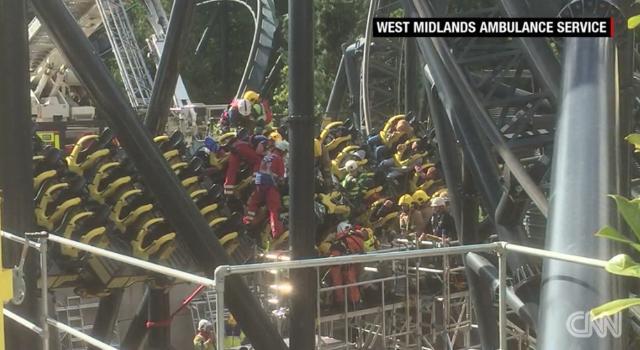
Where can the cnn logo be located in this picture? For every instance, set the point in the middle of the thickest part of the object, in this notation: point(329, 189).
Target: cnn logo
point(580, 325)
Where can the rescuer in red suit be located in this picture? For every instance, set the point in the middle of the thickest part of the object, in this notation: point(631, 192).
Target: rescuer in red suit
point(241, 151)
point(268, 176)
point(348, 240)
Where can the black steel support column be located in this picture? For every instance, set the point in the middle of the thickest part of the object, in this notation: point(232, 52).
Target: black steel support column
point(411, 74)
point(107, 315)
point(545, 65)
point(302, 322)
point(159, 337)
point(16, 177)
point(337, 92)
point(164, 83)
point(137, 331)
point(581, 181)
point(176, 204)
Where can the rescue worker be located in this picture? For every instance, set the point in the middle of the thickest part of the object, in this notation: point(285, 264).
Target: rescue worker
point(348, 240)
point(441, 223)
point(237, 115)
point(268, 178)
point(204, 339)
point(410, 219)
point(260, 111)
point(421, 201)
point(233, 334)
point(241, 150)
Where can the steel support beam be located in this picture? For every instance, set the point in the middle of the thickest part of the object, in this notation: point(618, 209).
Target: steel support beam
point(137, 331)
point(16, 176)
point(581, 181)
point(489, 274)
point(159, 337)
point(164, 83)
point(106, 316)
point(546, 67)
point(337, 92)
point(156, 174)
point(411, 74)
point(302, 322)
point(479, 114)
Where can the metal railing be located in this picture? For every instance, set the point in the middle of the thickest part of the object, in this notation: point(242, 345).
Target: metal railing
point(46, 321)
point(501, 249)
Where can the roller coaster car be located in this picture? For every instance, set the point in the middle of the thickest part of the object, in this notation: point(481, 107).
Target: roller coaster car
point(42, 177)
point(83, 156)
point(129, 207)
point(87, 227)
point(347, 153)
point(168, 143)
point(401, 159)
point(226, 233)
point(225, 140)
point(154, 241)
point(109, 179)
point(385, 133)
point(334, 203)
point(54, 200)
point(382, 218)
point(50, 159)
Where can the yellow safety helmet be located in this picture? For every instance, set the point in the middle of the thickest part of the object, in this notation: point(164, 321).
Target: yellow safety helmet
point(421, 197)
point(275, 136)
point(405, 199)
point(251, 96)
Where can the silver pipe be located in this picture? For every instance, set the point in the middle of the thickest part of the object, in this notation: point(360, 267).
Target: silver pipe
point(18, 239)
point(361, 258)
point(22, 321)
point(502, 299)
point(44, 290)
point(80, 335)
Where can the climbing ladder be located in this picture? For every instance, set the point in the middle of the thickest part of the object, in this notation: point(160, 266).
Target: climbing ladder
point(135, 76)
point(75, 312)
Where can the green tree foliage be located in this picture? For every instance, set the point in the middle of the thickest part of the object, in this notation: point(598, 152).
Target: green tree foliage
point(336, 22)
point(213, 74)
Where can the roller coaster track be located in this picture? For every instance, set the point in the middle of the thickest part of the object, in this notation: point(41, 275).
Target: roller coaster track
point(112, 16)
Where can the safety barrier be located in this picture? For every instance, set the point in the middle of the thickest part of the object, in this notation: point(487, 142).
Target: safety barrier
point(46, 321)
point(501, 249)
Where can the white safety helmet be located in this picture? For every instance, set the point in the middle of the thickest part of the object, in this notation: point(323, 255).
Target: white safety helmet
point(204, 325)
point(438, 202)
point(282, 145)
point(244, 107)
point(351, 165)
point(344, 226)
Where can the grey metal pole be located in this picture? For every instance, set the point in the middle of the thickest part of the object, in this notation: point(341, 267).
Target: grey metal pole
point(156, 174)
point(164, 83)
point(220, 286)
point(502, 299)
point(584, 173)
point(337, 92)
point(44, 293)
point(301, 189)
